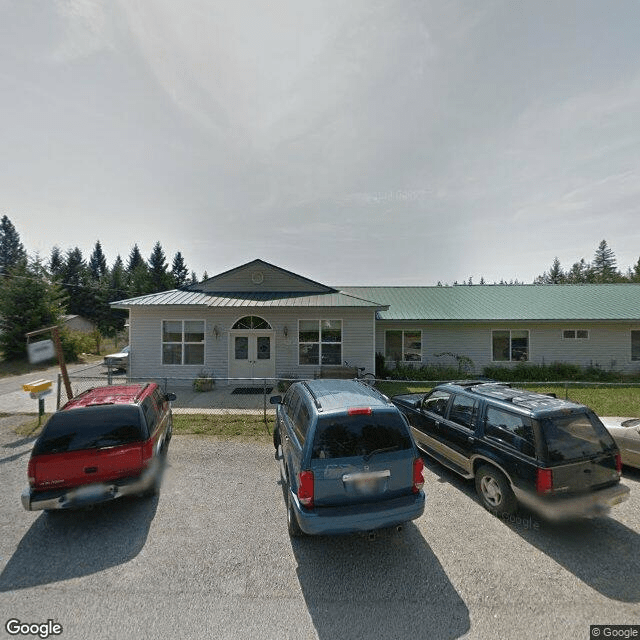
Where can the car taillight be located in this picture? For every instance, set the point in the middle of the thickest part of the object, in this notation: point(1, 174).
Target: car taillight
point(305, 489)
point(544, 481)
point(359, 411)
point(31, 472)
point(418, 475)
point(618, 463)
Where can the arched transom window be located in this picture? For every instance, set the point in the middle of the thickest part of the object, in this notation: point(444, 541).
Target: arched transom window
point(251, 322)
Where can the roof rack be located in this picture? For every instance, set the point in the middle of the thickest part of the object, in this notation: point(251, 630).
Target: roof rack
point(374, 390)
point(479, 381)
point(316, 400)
point(521, 397)
point(144, 388)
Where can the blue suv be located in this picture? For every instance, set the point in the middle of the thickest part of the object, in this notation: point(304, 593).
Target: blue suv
point(348, 461)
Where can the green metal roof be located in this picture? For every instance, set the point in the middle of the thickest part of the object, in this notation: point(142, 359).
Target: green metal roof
point(246, 299)
point(506, 302)
point(612, 302)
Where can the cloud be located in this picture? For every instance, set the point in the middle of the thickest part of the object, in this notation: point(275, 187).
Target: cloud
point(87, 29)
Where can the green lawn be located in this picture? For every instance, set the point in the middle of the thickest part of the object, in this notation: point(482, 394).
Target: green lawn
point(227, 426)
point(605, 401)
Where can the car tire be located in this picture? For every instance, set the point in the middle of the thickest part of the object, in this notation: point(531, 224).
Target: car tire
point(292, 521)
point(165, 443)
point(276, 437)
point(494, 491)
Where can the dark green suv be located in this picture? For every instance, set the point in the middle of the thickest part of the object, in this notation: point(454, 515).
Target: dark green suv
point(550, 455)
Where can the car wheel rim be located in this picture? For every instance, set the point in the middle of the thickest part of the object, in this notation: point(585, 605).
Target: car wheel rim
point(491, 491)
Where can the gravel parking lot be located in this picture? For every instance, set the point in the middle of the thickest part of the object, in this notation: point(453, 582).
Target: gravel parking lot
point(211, 558)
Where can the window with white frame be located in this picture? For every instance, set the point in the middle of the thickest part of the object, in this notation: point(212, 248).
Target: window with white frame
point(183, 342)
point(320, 342)
point(635, 345)
point(510, 345)
point(403, 346)
point(575, 334)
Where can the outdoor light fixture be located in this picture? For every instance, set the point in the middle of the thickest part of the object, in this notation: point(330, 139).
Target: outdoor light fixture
point(285, 331)
point(216, 331)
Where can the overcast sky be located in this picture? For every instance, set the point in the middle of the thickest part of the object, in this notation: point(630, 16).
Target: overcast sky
point(360, 142)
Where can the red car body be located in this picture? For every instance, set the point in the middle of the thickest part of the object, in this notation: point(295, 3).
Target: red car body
point(106, 443)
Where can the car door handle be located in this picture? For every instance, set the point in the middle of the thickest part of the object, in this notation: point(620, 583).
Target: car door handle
point(470, 439)
point(91, 469)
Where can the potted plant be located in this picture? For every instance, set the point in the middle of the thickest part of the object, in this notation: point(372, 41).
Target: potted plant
point(204, 381)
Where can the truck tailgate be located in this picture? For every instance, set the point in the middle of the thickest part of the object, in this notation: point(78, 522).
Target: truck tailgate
point(76, 468)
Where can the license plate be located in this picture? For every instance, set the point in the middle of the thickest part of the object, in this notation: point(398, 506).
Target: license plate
point(367, 483)
point(90, 493)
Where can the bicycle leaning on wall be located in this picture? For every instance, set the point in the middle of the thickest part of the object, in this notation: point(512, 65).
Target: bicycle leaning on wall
point(367, 378)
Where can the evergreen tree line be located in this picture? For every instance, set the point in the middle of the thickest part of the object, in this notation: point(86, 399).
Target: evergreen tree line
point(35, 294)
point(602, 269)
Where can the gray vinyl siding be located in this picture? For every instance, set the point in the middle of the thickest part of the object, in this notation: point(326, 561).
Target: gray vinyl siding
point(275, 280)
point(146, 336)
point(608, 346)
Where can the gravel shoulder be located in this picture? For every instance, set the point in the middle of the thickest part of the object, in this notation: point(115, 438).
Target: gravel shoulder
point(211, 557)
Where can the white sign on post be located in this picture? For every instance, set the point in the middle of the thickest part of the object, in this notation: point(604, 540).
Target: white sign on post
point(40, 351)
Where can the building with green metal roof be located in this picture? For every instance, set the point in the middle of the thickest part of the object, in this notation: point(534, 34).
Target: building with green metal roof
point(261, 321)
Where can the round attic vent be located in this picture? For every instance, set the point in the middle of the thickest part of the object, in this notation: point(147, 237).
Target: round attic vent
point(257, 277)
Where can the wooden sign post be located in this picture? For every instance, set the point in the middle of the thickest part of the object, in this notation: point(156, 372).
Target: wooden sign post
point(55, 334)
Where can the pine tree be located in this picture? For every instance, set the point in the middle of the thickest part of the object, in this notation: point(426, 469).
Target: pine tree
point(580, 273)
point(159, 278)
point(137, 274)
point(75, 281)
point(118, 280)
point(179, 271)
point(604, 267)
point(28, 301)
point(56, 262)
point(97, 262)
point(135, 259)
point(555, 275)
point(11, 249)
point(113, 320)
point(138, 283)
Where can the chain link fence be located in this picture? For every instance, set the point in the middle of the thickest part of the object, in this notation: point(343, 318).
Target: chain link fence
point(197, 396)
point(251, 395)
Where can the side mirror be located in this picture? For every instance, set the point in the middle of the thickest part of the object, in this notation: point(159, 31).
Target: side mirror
point(170, 396)
point(275, 400)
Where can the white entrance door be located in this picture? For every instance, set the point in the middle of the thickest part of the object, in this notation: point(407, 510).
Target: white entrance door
point(252, 354)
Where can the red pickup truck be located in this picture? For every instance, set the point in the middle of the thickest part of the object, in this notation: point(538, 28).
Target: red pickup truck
point(105, 443)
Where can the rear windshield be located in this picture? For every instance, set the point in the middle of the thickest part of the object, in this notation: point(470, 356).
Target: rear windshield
point(90, 428)
point(360, 435)
point(575, 436)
